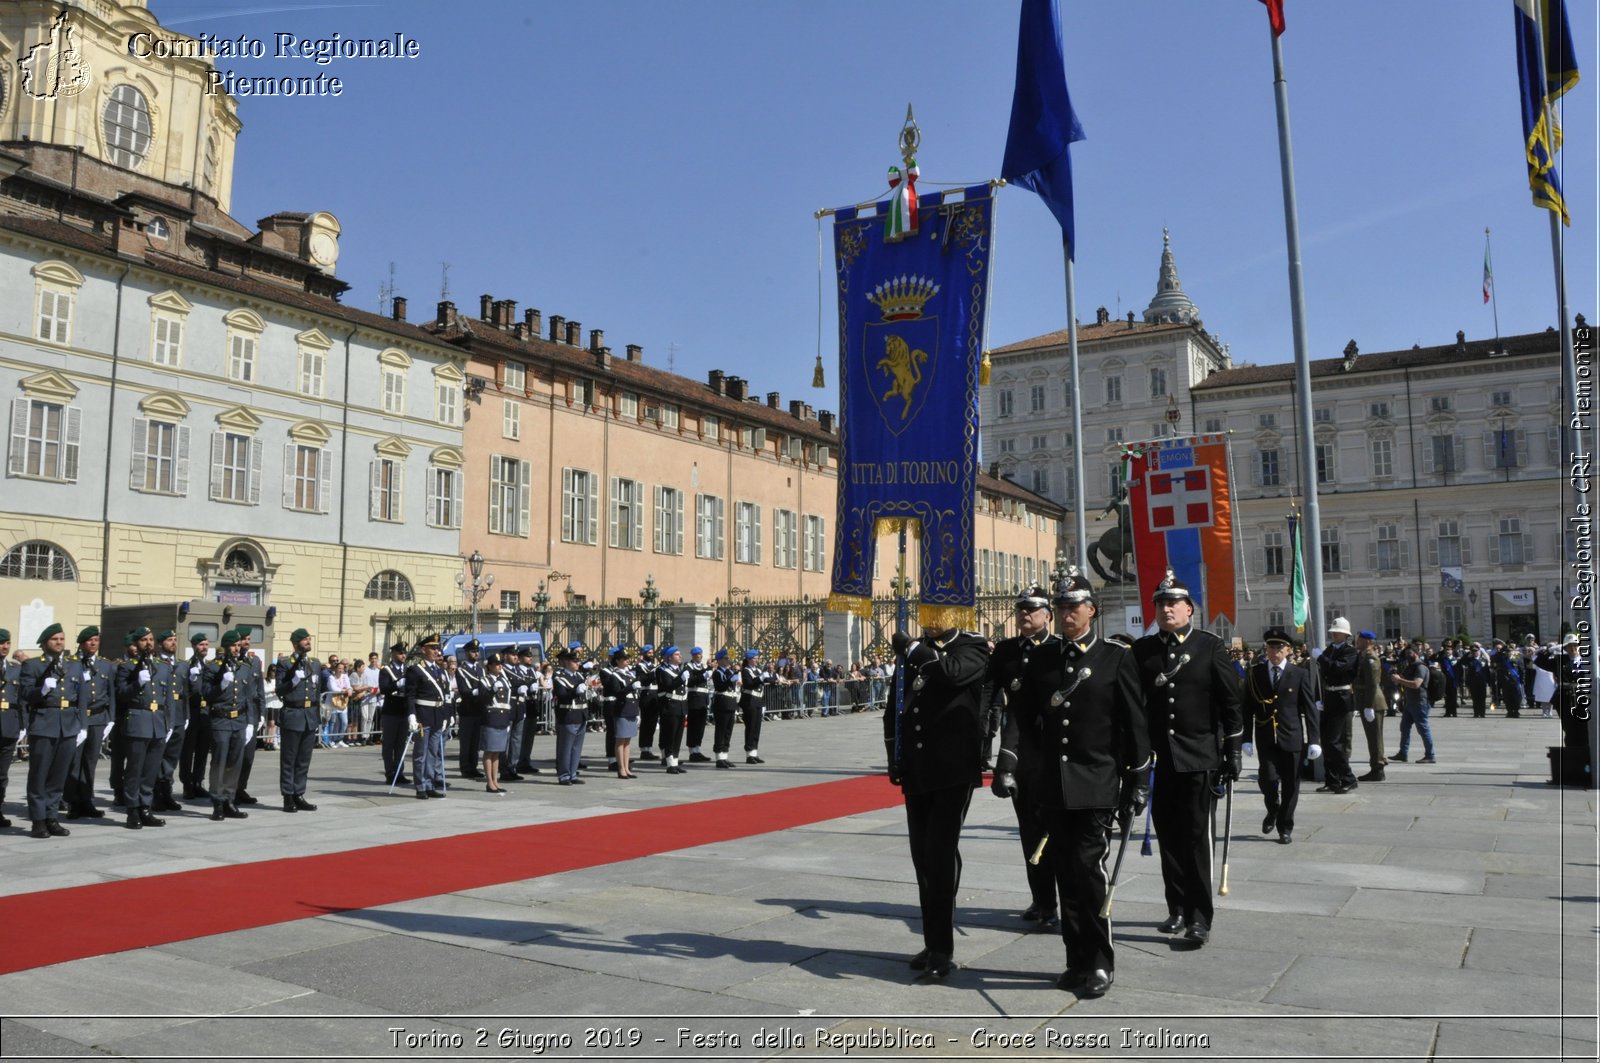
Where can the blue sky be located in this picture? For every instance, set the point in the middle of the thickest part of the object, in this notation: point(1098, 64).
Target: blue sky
point(652, 167)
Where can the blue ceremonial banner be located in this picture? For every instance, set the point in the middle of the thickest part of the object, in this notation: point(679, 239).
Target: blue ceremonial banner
point(1043, 123)
point(911, 313)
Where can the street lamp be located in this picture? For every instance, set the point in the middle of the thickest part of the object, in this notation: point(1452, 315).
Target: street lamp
point(901, 587)
point(649, 596)
point(541, 606)
point(1059, 573)
point(476, 587)
point(1472, 597)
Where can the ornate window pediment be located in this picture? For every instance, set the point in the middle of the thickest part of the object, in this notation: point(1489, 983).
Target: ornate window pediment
point(393, 447)
point(446, 458)
point(171, 302)
point(239, 420)
point(244, 320)
point(397, 358)
point(164, 405)
point(314, 338)
point(57, 272)
point(50, 386)
point(310, 433)
point(448, 371)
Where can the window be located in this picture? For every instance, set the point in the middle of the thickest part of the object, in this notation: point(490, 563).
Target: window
point(1442, 455)
point(1114, 478)
point(511, 420)
point(1040, 443)
point(668, 415)
point(1008, 446)
point(45, 438)
point(1069, 489)
point(510, 482)
point(386, 480)
point(708, 527)
point(388, 586)
point(56, 286)
point(1272, 550)
point(1113, 389)
point(313, 368)
point(160, 457)
point(1114, 435)
point(1510, 546)
point(669, 520)
point(626, 514)
point(1036, 398)
point(511, 601)
point(747, 533)
point(710, 427)
point(241, 358)
point(1066, 394)
point(1379, 410)
point(1501, 398)
point(394, 390)
point(1268, 468)
point(126, 125)
point(1158, 383)
point(785, 538)
point(1332, 553)
point(448, 409)
point(1388, 555)
point(985, 570)
point(1382, 451)
point(38, 560)
point(1454, 618)
point(1439, 404)
point(1451, 549)
point(580, 504)
point(1213, 425)
point(1004, 404)
point(1266, 420)
point(515, 377)
point(813, 544)
point(1392, 622)
point(1506, 448)
point(166, 342)
point(444, 497)
point(628, 405)
point(307, 478)
point(1041, 481)
point(235, 468)
point(583, 391)
point(1322, 415)
point(1326, 472)
point(1275, 618)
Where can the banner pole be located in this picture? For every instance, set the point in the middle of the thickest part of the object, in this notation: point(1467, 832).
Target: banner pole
point(1080, 490)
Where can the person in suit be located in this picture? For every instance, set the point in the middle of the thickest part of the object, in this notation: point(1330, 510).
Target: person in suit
point(299, 688)
point(228, 697)
point(11, 725)
point(1075, 739)
point(392, 713)
point(145, 688)
point(1479, 674)
point(101, 676)
point(57, 707)
point(1570, 672)
point(1280, 701)
point(1012, 659)
point(933, 734)
point(430, 701)
point(1191, 696)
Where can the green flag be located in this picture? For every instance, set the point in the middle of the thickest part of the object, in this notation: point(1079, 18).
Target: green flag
point(1297, 576)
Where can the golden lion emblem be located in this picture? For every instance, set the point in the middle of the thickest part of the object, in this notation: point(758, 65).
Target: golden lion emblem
point(905, 365)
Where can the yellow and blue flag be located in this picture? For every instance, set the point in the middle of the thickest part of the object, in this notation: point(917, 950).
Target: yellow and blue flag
point(1546, 69)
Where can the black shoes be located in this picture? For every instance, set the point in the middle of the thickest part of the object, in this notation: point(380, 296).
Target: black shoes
point(1198, 934)
point(243, 798)
point(302, 805)
point(55, 829)
point(231, 811)
point(1286, 837)
point(754, 760)
point(38, 830)
point(1171, 925)
point(1428, 760)
point(674, 769)
point(148, 819)
point(919, 962)
point(216, 812)
point(724, 764)
point(422, 795)
point(1096, 984)
point(698, 758)
point(437, 795)
point(288, 805)
point(1375, 775)
point(133, 822)
point(647, 754)
point(1038, 913)
point(1269, 824)
point(1401, 757)
point(939, 965)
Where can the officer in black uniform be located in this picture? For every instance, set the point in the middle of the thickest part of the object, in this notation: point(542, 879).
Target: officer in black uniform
point(518, 679)
point(227, 699)
point(699, 675)
point(1191, 697)
point(299, 687)
point(754, 681)
point(114, 737)
point(197, 736)
point(1281, 703)
point(101, 675)
point(1571, 673)
point(1336, 669)
point(672, 699)
point(1075, 738)
point(533, 714)
point(473, 702)
point(145, 687)
point(177, 720)
point(392, 713)
point(933, 733)
point(724, 705)
point(57, 705)
point(430, 702)
point(10, 715)
point(1012, 659)
point(649, 709)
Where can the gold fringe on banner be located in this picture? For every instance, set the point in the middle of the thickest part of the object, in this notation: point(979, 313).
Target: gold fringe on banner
point(891, 526)
point(852, 604)
point(940, 617)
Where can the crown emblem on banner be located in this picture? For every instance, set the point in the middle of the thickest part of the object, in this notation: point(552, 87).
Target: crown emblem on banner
point(902, 298)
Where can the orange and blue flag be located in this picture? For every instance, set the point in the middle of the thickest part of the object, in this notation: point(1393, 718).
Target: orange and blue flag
point(1182, 517)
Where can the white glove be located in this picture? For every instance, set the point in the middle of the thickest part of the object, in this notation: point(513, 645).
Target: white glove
point(1313, 751)
point(144, 675)
point(227, 679)
point(170, 732)
point(249, 733)
point(1319, 706)
point(194, 673)
point(400, 684)
point(1248, 749)
point(49, 682)
point(522, 692)
point(411, 722)
point(82, 737)
point(1368, 715)
point(105, 736)
point(299, 675)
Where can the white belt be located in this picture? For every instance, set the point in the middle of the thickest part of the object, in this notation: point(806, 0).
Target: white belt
point(753, 693)
point(429, 704)
point(1341, 688)
point(679, 697)
point(728, 693)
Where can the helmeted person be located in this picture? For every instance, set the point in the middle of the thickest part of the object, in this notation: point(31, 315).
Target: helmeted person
point(101, 675)
point(1191, 697)
point(1336, 668)
point(430, 702)
point(228, 700)
point(298, 686)
point(1075, 738)
point(145, 686)
point(56, 701)
point(932, 733)
point(1280, 703)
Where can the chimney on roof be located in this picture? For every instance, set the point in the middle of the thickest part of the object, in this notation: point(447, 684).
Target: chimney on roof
point(558, 329)
point(486, 307)
point(1130, 319)
point(597, 339)
point(738, 388)
point(602, 357)
point(1102, 316)
point(797, 408)
point(574, 334)
point(531, 322)
point(774, 401)
point(397, 307)
point(508, 313)
point(994, 469)
point(717, 381)
point(635, 353)
point(446, 315)
point(825, 421)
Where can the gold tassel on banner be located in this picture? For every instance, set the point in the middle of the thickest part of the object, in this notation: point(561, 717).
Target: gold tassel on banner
point(852, 604)
point(816, 375)
point(942, 617)
point(983, 370)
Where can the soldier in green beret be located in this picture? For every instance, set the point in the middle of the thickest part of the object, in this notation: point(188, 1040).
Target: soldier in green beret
point(10, 716)
point(177, 720)
point(228, 702)
point(256, 707)
point(100, 675)
point(145, 685)
point(299, 686)
point(54, 700)
point(197, 736)
point(117, 732)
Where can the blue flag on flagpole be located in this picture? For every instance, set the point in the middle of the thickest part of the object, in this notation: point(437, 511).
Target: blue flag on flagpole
point(1043, 124)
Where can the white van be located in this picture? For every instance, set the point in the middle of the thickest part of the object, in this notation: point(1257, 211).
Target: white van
point(497, 642)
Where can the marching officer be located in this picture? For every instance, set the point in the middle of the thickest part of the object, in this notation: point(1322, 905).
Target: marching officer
point(933, 735)
point(227, 701)
point(297, 685)
point(724, 704)
point(699, 676)
point(753, 679)
point(672, 698)
point(572, 695)
point(11, 725)
point(1337, 669)
point(57, 706)
point(1012, 659)
point(473, 701)
point(197, 736)
point(392, 713)
point(101, 676)
point(430, 698)
point(254, 692)
point(177, 720)
point(1281, 702)
point(1075, 735)
point(146, 687)
point(1191, 696)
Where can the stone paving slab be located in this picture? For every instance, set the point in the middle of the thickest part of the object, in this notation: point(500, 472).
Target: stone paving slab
point(267, 942)
point(1533, 916)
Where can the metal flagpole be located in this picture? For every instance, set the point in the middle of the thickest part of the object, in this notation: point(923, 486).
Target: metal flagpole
point(1080, 526)
point(1494, 296)
point(1312, 558)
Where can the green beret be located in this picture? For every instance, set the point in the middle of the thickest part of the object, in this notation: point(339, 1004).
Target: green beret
point(87, 633)
point(5, 636)
point(162, 636)
point(49, 633)
point(240, 632)
point(137, 633)
point(229, 637)
point(198, 637)
point(299, 633)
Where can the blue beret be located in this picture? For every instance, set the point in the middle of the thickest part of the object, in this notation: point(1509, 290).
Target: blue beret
point(575, 644)
point(721, 655)
point(1367, 635)
point(647, 649)
point(668, 651)
point(697, 649)
point(749, 654)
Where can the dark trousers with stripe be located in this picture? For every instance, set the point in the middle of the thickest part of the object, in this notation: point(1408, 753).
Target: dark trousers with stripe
point(49, 761)
point(1079, 845)
point(699, 705)
point(294, 761)
point(140, 769)
point(933, 822)
point(1181, 803)
point(672, 718)
point(722, 714)
point(196, 748)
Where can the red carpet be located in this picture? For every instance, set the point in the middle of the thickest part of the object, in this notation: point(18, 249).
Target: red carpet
point(192, 904)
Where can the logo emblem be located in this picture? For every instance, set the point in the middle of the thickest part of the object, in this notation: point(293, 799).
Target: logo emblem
point(54, 69)
point(903, 337)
